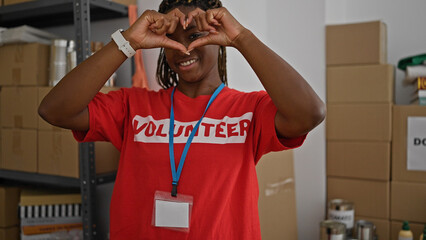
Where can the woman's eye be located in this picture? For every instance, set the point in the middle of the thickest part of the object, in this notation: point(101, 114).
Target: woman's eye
point(196, 35)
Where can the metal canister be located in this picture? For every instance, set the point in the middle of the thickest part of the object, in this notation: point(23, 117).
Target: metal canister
point(71, 56)
point(58, 61)
point(332, 230)
point(364, 230)
point(343, 211)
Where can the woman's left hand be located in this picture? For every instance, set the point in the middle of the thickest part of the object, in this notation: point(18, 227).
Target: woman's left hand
point(221, 25)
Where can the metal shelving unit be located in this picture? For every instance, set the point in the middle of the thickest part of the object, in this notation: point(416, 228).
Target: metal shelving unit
point(47, 13)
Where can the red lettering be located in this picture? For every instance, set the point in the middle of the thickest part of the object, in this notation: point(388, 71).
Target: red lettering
point(152, 126)
point(219, 130)
point(138, 130)
point(207, 128)
point(179, 132)
point(232, 129)
point(160, 131)
point(189, 129)
point(244, 125)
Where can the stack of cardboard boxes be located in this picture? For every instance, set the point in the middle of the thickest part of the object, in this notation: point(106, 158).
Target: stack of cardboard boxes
point(376, 152)
point(408, 186)
point(29, 143)
point(360, 87)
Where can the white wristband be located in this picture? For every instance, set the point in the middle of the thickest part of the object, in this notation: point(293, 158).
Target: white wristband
point(122, 43)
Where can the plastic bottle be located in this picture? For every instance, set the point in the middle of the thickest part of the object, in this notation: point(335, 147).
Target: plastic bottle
point(423, 235)
point(405, 233)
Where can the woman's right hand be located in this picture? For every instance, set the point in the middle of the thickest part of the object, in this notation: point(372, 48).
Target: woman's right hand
point(150, 30)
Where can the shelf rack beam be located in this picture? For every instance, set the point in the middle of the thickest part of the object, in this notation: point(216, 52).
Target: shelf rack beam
point(86, 150)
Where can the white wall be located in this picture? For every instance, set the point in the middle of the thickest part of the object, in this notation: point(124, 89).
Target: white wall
point(295, 30)
point(406, 29)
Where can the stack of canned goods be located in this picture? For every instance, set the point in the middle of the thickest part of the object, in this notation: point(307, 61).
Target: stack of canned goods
point(340, 224)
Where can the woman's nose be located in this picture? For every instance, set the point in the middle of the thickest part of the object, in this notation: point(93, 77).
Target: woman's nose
point(185, 42)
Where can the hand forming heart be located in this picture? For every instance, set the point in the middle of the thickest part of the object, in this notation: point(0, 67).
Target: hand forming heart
point(150, 30)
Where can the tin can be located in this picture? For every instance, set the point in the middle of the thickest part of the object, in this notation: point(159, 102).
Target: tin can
point(343, 211)
point(71, 56)
point(364, 230)
point(58, 61)
point(332, 230)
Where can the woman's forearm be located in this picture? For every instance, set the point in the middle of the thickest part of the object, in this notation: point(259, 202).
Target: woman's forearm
point(70, 97)
point(299, 107)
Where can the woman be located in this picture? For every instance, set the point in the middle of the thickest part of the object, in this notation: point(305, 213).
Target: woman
point(189, 151)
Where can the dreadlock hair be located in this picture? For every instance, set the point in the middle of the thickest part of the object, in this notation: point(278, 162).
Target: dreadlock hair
point(166, 77)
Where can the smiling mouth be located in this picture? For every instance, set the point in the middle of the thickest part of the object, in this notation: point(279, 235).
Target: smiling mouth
point(187, 63)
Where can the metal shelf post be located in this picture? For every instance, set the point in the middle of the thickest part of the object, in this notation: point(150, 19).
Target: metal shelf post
point(86, 150)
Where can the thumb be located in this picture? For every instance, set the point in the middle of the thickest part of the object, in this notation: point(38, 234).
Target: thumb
point(168, 43)
point(198, 43)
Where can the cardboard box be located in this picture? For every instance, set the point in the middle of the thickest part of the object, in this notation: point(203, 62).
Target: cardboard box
point(58, 154)
point(34, 200)
point(277, 199)
point(24, 64)
point(11, 233)
point(9, 2)
point(364, 160)
point(400, 141)
point(19, 149)
point(360, 84)
point(125, 2)
point(42, 92)
point(9, 201)
point(408, 201)
point(19, 107)
point(416, 228)
point(371, 122)
point(371, 198)
point(382, 226)
point(356, 43)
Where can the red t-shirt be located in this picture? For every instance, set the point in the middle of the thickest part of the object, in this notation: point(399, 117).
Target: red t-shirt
point(219, 170)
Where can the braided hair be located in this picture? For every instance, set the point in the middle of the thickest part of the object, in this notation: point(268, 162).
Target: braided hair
point(166, 77)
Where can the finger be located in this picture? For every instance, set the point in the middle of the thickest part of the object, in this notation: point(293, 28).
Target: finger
point(205, 26)
point(198, 43)
point(173, 25)
point(164, 28)
point(180, 15)
point(157, 24)
point(192, 14)
point(211, 18)
point(196, 19)
point(168, 43)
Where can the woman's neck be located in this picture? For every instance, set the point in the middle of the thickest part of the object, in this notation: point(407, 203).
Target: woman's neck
point(195, 89)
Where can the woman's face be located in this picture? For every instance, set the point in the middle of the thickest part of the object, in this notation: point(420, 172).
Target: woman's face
point(201, 64)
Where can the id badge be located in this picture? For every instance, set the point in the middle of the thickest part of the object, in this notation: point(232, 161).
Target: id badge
point(172, 212)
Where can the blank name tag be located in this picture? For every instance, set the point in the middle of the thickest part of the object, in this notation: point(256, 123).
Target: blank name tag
point(171, 214)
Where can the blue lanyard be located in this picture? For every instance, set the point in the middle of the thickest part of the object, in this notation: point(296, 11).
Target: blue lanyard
point(176, 174)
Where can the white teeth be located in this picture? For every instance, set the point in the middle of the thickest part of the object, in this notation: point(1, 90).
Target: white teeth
point(187, 63)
